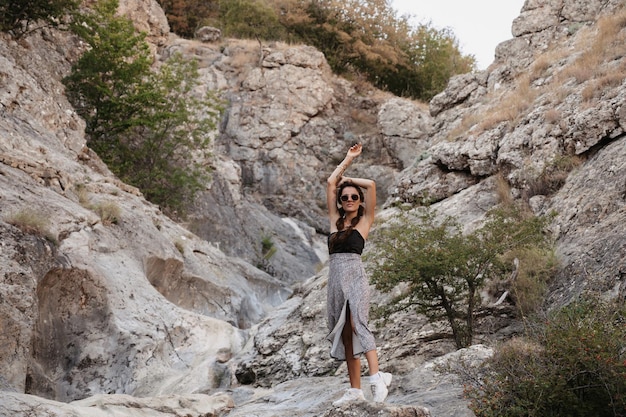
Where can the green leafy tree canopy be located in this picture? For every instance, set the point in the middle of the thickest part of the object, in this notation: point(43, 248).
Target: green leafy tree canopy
point(441, 268)
point(16, 16)
point(147, 125)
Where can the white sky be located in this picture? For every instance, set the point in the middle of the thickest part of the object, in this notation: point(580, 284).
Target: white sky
point(479, 25)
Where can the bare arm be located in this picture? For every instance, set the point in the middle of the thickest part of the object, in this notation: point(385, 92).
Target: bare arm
point(334, 180)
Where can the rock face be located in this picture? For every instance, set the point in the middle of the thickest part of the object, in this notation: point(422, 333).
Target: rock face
point(548, 115)
point(145, 316)
point(94, 307)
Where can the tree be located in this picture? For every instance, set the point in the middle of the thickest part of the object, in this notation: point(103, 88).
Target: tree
point(440, 269)
point(146, 125)
point(17, 16)
point(107, 83)
point(435, 56)
point(366, 38)
point(169, 144)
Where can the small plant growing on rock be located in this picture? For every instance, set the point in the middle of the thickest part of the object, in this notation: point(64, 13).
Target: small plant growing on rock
point(553, 176)
point(180, 246)
point(108, 211)
point(267, 251)
point(31, 222)
point(82, 194)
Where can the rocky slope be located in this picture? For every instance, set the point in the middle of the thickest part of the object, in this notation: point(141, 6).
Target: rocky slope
point(144, 316)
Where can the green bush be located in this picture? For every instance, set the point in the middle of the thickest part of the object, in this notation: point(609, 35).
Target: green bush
point(146, 125)
point(573, 364)
point(441, 270)
point(251, 19)
point(16, 16)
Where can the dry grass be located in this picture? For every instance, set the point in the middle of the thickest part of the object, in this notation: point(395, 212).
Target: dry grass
point(469, 120)
point(108, 211)
point(363, 118)
point(544, 62)
point(605, 42)
point(510, 352)
point(32, 222)
point(503, 191)
point(82, 194)
point(611, 34)
point(245, 58)
point(552, 116)
point(180, 246)
point(512, 106)
point(595, 88)
point(536, 267)
point(553, 176)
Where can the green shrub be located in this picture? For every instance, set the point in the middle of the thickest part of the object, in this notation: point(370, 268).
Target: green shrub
point(147, 126)
point(251, 19)
point(16, 16)
point(267, 247)
point(268, 250)
point(441, 269)
point(573, 364)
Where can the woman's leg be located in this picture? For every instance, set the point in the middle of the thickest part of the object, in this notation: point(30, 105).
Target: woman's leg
point(372, 361)
point(354, 364)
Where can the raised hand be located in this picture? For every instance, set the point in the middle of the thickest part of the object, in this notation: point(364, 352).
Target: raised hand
point(355, 150)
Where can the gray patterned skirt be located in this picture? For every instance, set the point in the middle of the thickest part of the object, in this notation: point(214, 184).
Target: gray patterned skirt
point(348, 287)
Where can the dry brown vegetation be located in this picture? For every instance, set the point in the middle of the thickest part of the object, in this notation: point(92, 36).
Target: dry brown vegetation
point(553, 176)
point(31, 222)
point(503, 191)
point(552, 116)
point(108, 211)
point(511, 106)
point(601, 44)
point(599, 62)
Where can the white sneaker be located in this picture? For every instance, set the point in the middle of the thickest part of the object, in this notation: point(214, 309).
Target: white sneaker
point(351, 394)
point(379, 384)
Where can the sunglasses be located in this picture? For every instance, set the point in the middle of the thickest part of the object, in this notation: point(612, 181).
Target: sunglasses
point(354, 197)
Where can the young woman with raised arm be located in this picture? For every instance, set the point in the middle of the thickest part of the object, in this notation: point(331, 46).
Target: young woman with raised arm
point(351, 209)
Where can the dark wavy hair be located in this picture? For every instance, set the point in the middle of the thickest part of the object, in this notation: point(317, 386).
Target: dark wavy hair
point(342, 213)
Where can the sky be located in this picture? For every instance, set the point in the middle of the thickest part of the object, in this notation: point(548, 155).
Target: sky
point(479, 25)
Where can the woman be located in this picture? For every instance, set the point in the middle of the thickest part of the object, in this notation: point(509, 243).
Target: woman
point(351, 214)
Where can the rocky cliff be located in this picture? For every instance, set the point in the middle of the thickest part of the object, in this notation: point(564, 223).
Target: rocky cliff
point(108, 307)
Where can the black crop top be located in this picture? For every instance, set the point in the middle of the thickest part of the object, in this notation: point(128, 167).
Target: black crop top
point(354, 243)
